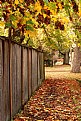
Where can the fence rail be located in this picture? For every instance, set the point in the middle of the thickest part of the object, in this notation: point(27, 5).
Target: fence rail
point(21, 72)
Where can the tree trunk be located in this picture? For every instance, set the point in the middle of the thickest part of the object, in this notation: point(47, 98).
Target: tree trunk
point(75, 66)
point(66, 58)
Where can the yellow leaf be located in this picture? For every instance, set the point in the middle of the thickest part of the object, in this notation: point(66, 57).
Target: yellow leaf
point(60, 6)
point(65, 20)
point(79, 13)
point(79, 44)
point(30, 33)
point(2, 23)
point(44, 15)
point(45, 7)
point(23, 21)
point(38, 7)
point(21, 1)
point(34, 21)
point(15, 23)
point(53, 12)
point(54, 19)
point(16, 2)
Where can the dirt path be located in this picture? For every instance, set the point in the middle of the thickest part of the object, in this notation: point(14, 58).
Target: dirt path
point(57, 99)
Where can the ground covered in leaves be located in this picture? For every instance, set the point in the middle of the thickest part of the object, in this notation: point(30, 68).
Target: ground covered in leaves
point(55, 100)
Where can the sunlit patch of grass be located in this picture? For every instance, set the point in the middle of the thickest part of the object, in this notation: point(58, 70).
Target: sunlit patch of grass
point(62, 71)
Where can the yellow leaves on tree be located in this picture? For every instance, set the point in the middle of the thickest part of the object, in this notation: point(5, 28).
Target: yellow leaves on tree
point(59, 5)
point(18, 1)
point(30, 33)
point(79, 13)
point(37, 7)
point(15, 23)
point(2, 24)
point(21, 1)
point(65, 20)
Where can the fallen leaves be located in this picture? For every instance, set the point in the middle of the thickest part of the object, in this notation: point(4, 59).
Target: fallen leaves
point(56, 100)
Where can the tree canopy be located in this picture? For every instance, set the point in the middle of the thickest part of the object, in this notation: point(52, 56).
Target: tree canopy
point(24, 17)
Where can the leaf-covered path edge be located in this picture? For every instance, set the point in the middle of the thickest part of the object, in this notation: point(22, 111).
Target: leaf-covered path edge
point(55, 100)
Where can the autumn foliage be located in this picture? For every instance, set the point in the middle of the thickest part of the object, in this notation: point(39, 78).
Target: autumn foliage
point(28, 15)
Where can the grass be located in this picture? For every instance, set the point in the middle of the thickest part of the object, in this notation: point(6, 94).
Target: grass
point(60, 72)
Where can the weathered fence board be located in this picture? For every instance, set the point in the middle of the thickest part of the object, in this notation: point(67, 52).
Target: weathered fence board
point(29, 72)
point(39, 77)
point(25, 75)
point(1, 85)
point(14, 80)
point(42, 66)
point(6, 80)
point(18, 50)
point(41, 63)
point(34, 70)
point(21, 72)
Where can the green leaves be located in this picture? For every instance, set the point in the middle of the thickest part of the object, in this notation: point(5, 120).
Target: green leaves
point(46, 1)
point(52, 5)
point(12, 17)
point(28, 27)
point(30, 22)
point(8, 24)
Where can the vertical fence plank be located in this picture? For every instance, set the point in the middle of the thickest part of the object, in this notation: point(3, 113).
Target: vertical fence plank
point(14, 75)
point(42, 67)
point(29, 73)
point(1, 84)
point(22, 81)
point(10, 75)
point(6, 80)
point(25, 75)
point(34, 70)
point(18, 78)
point(39, 80)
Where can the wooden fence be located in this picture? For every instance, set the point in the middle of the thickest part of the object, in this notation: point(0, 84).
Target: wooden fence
point(21, 72)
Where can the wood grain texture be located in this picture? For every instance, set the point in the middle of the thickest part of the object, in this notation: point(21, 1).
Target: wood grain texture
point(25, 75)
point(29, 72)
point(21, 72)
point(6, 80)
point(1, 84)
point(34, 70)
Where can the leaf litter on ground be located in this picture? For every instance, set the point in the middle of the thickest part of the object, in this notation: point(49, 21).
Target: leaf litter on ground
point(58, 98)
point(55, 100)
